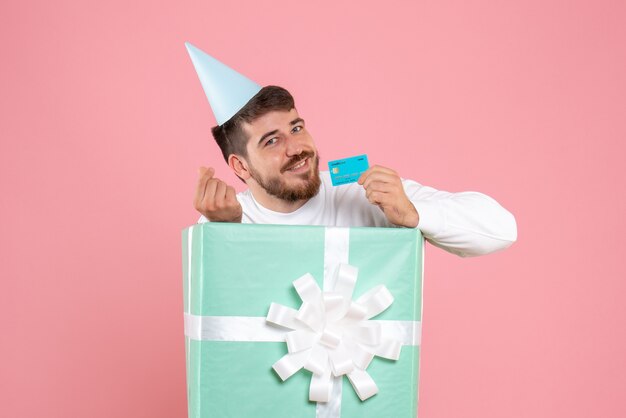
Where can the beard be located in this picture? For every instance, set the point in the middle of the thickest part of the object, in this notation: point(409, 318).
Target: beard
point(275, 186)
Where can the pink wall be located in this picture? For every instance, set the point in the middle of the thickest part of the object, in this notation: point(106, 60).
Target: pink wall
point(103, 124)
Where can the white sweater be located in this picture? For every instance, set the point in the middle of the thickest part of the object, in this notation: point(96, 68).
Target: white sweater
point(465, 223)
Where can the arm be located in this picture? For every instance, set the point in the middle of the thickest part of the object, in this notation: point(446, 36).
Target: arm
point(465, 223)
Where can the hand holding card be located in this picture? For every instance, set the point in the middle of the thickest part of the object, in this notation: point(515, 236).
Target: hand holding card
point(383, 187)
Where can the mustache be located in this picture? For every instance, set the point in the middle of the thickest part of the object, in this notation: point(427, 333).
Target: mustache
point(296, 160)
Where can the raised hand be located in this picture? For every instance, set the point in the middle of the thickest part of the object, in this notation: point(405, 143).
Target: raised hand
point(383, 187)
point(215, 199)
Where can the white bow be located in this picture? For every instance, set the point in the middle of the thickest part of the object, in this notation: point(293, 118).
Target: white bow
point(332, 334)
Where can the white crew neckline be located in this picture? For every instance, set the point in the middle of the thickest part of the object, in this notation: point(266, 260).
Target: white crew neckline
point(312, 206)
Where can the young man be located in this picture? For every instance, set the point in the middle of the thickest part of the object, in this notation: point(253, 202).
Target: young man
point(267, 146)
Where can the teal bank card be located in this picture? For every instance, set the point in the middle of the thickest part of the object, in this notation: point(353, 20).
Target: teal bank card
point(347, 170)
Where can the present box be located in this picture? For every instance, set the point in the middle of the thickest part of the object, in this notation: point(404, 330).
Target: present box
point(234, 272)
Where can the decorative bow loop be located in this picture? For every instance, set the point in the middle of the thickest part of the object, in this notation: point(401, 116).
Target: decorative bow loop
point(332, 335)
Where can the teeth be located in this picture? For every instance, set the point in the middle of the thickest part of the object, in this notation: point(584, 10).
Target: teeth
point(295, 167)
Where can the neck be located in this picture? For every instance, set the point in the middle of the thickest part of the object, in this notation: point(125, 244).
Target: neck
point(273, 203)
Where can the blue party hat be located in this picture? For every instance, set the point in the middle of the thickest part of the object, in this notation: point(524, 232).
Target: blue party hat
point(227, 90)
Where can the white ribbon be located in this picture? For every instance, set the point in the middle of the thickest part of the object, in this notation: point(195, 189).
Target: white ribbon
point(330, 334)
point(256, 329)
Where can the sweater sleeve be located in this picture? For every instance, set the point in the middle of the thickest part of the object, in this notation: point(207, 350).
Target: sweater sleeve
point(466, 223)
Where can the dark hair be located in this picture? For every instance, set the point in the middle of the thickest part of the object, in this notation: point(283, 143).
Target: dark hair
point(230, 136)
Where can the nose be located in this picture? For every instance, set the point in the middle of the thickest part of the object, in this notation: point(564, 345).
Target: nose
point(294, 146)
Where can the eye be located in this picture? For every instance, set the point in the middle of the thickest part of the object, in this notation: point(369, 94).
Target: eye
point(296, 129)
point(271, 141)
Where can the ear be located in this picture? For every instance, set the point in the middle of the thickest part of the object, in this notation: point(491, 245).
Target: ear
point(239, 166)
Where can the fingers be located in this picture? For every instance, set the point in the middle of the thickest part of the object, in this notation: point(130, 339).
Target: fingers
point(205, 181)
point(378, 176)
point(376, 169)
point(379, 187)
point(205, 174)
point(382, 180)
point(208, 201)
point(231, 195)
point(376, 198)
point(380, 196)
point(383, 188)
point(220, 194)
point(216, 200)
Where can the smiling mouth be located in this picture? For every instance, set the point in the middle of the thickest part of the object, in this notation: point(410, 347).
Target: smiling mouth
point(297, 166)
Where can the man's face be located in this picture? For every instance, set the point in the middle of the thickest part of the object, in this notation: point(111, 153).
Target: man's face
point(282, 157)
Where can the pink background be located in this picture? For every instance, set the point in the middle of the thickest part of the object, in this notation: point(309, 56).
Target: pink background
point(103, 124)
